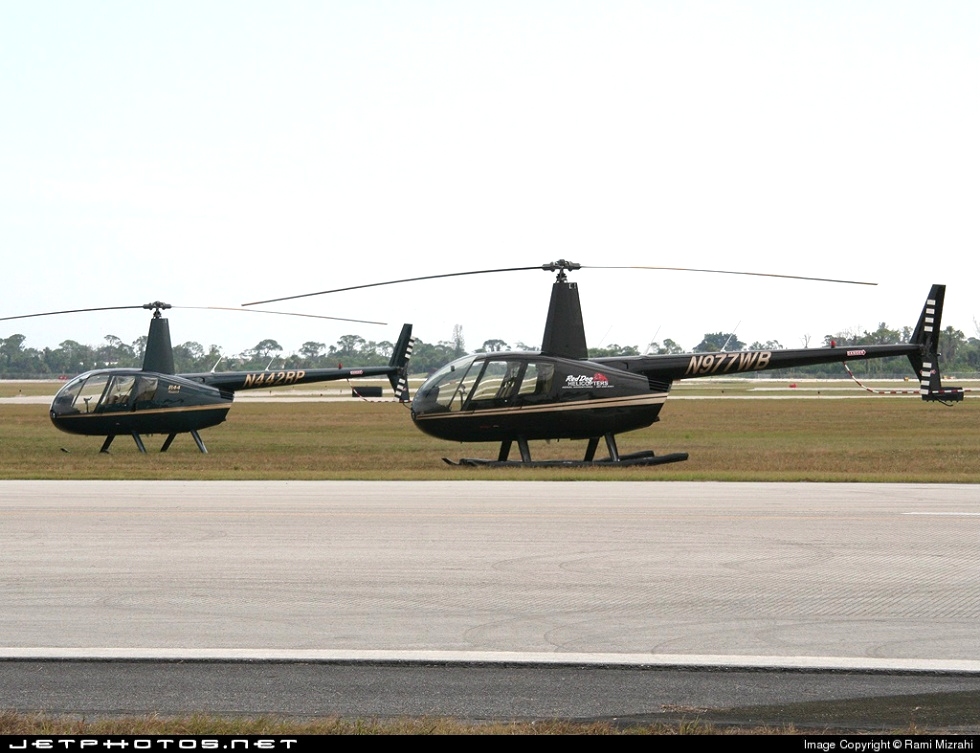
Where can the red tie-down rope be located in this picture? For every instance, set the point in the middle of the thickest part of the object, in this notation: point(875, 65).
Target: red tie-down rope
point(873, 391)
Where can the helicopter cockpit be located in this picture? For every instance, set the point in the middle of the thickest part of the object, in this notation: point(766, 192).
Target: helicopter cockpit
point(486, 380)
point(102, 391)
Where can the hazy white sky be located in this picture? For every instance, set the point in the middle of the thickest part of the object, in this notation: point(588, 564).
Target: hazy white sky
point(211, 153)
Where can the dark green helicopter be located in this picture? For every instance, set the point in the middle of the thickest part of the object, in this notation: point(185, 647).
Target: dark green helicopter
point(156, 400)
point(560, 393)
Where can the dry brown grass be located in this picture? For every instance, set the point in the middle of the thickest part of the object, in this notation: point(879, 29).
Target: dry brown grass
point(865, 439)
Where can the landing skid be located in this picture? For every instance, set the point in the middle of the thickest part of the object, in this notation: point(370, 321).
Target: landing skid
point(635, 459)
point(643, 458)
point(166, 445)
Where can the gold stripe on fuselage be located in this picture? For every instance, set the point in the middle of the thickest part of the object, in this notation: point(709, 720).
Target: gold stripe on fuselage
point(107, 414)
point(632, 401)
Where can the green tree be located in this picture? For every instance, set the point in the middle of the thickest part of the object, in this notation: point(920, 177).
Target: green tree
point(614, 350)
point(881, 336)
point(426, 357)
point(951, 341)
point(11, 349)
point(716, 341)
point(189, 357)
point(115, 352)
point(459, 345)
point(491, 346)
point(258, 357)
point(347, 347)
point(17, 360)
point(73, 358)
point(312, 353)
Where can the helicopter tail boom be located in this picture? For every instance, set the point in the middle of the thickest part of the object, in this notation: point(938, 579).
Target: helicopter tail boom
point(922, 350)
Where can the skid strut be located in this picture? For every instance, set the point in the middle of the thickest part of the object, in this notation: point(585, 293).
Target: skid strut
point(197, 440)
point(166, 444)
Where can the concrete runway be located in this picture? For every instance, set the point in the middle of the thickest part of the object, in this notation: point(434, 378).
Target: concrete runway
point(860, 590)
point(804, 575)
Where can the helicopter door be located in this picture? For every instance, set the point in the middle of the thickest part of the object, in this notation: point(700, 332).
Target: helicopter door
point(146, 390)
point(116, 396)
point(539, 378)
point(497, 386)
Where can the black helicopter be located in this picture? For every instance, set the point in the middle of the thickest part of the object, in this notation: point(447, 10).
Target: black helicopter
point(155, 400)
point(559, 393)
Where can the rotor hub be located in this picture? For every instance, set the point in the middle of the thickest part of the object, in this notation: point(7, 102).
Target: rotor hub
point(156, 306)
point(561, 266)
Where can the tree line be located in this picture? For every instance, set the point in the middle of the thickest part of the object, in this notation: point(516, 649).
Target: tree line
point(960, 355)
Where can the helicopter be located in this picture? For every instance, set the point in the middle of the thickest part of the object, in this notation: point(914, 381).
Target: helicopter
point(560, 393)
point(155, 400)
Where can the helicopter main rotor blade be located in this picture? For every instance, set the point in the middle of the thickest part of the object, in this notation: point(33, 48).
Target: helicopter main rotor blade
point(281, 313)
point(733, 272)
point(391, 282)
point(70, 311)
point(559, 266)
point(157, 305)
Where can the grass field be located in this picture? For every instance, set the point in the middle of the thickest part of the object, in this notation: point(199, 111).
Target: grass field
point(806, 438)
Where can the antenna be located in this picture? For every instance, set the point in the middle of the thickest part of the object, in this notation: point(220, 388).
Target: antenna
point(731, 335)
point(652, 340)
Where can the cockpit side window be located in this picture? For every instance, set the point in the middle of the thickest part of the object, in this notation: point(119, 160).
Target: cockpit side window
point(146, 388)
point(117, 395)
point(490, 381)
point(497, 385)
point(538, 380)
point(510, 381)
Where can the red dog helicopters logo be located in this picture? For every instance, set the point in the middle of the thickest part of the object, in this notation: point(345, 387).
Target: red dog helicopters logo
point(584, 382)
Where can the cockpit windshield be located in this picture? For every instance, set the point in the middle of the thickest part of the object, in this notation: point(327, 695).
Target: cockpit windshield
point(444, 387)
point(81, 395)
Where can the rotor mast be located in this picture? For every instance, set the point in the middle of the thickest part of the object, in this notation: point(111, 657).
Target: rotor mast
point(564, 329)
point(159, 354)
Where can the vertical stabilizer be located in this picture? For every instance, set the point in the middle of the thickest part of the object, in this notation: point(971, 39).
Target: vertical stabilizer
point(926, 361)
point(399, 359)
point(927, 329)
